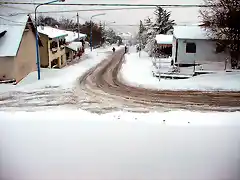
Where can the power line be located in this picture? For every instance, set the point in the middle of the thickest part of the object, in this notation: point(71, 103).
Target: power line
point(92, 4)
point(12, 20)
point(110, 25)
point(11, 7)
point(82, 10)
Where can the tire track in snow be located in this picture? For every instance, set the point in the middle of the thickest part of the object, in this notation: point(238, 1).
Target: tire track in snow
point(103, 82)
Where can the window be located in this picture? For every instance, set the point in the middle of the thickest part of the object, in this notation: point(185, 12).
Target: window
point(26, 28)
point(54, 63)
point(53, 46)
point(190, 48)
point(220, 47)
point(62, 43)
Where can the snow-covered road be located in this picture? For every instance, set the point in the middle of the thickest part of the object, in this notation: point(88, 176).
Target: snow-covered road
point(58, 142)
point(57, 87)
point(107, 86)
point(96, 85)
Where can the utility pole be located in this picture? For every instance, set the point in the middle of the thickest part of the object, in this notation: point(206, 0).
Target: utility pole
point(78, 25)
point(91, 33)
point(140, 42)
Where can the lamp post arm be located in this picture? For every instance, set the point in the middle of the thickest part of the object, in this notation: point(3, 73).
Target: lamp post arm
point(37, 38)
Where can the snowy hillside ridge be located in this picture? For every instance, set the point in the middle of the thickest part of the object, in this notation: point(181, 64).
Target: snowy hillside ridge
point(142, 76)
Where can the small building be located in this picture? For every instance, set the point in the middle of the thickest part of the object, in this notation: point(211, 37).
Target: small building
point(73, 50)
point(75, 45)
point(53, 52)
point(17, 47)
point(192, 46)
point(164, 43)
point(73, 36)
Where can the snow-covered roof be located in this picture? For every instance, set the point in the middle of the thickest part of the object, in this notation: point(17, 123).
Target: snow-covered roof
point(190, 32)
point(51, 32)
point(164, 39)
point(127, 35)
point(14, 27)
point(72, 36)
point(75, 45)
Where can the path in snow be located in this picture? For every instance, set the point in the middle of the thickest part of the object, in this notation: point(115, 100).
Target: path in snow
point(38, 99)
point(101, 90)
point(102, 85)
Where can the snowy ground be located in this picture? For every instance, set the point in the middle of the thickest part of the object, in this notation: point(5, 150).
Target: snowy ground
point(69, 145)
point(57, 87)
point(64, 78)
point(66, 144)
point(138, 72)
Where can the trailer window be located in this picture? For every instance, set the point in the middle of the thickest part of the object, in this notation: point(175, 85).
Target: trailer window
point(190, 48)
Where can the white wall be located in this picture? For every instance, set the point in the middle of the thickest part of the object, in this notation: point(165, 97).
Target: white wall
point(174, 48)
point(205, 52)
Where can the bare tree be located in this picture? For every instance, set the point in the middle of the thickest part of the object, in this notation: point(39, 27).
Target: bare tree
point(67, 24)
point(222, 20)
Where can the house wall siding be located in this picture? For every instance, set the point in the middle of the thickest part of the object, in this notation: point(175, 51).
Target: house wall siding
point(25, 61)
point(174, 49)
point(44, 51)
point(57, 55)
point(7, 68)
point(205, 53)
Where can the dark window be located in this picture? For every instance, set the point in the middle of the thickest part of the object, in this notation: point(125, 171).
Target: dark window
point(27, 27)
point(62, 42)
point(190, 48)
point(220, 47)
point(53, 44)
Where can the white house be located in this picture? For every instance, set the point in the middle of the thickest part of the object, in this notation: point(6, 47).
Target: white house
point(191, 45)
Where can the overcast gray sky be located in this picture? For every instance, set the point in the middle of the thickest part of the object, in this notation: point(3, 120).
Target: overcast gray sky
point(123, 17)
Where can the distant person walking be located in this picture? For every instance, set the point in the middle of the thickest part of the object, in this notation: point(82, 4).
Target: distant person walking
point(113, 49)
point(126, 49)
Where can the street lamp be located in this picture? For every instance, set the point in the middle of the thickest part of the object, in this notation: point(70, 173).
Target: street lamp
point(91, 45)
point(37, 40)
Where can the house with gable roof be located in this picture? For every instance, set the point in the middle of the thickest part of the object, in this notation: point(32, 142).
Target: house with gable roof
point(53, 51)
point(59, 46)
point(17, 48)
point(193, 46)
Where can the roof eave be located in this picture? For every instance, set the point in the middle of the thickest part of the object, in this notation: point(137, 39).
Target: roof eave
point(64, 35)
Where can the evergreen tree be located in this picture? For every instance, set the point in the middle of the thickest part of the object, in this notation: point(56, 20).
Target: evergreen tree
point(149, 36)
point(141, 28)
point(141, 36)
point(102, 30)
point(149, 30)
point(163, 23)
point(111, 37)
